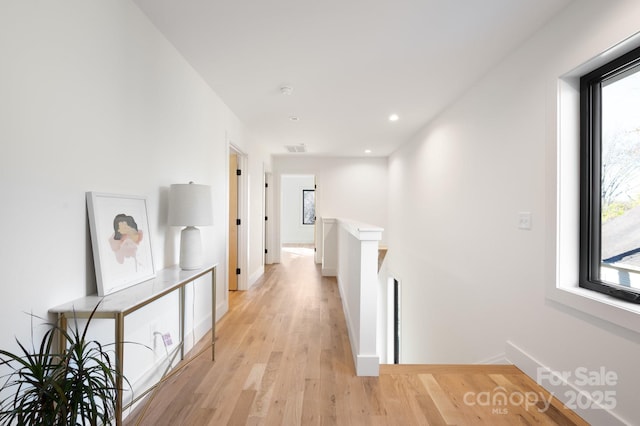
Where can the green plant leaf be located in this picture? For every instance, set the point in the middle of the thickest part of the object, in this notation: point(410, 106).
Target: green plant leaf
point(76, 387)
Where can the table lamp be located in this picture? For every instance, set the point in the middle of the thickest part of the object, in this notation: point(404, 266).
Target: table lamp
point(190, 206)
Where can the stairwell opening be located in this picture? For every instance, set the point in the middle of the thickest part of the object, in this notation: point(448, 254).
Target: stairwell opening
point(394, 310)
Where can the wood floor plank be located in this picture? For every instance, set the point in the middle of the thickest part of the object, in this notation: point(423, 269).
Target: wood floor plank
point(443, 403)
point(293, 409)
point(557, 411)
point(311, 402)
point(421, 404)
point(240, 412)
point(327, 387)
point(400, 401)
point(265, 388)
point(255, 377)
point(283, 357)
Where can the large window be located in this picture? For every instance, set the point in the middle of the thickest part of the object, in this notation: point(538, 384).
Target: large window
point(610, 178)
point(308, 206)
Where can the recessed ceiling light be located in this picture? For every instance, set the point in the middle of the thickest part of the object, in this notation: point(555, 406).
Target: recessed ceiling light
point(394, 117)
point(294, 118)
point(367, 151)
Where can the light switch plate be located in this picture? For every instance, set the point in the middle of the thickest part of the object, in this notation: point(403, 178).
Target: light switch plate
point(524, 220)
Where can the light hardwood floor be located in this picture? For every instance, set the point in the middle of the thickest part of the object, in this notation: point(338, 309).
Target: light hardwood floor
point(283, 358)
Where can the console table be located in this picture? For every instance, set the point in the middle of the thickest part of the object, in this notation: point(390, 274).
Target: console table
point(118, 305)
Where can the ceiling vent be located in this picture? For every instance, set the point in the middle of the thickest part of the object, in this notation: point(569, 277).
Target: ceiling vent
point(296, 148)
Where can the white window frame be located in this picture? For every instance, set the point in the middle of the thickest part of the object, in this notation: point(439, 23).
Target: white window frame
point(563, 213)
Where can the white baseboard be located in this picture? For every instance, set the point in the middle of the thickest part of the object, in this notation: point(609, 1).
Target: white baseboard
point(562, 389)
point(221, 309)
point(194, 335)
point(148, 379)
point(255, 276)
point(367, 365)
point(329, 272)
point(151, 376)
point(347, 318)
point(499, 359)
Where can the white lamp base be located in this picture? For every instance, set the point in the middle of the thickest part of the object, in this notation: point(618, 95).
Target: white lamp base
point(190, 248)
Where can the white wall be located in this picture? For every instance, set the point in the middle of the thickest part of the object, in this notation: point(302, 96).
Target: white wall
point(291, 228)
point(471, 281)
point(351, 188)
point(93, 98)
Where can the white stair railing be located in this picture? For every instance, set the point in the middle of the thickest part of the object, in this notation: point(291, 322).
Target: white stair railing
point(350, 252)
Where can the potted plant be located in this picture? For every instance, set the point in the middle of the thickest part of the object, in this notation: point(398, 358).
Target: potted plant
point(77, 387)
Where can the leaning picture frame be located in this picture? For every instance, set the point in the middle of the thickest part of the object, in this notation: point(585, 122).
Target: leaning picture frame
point(120, 240)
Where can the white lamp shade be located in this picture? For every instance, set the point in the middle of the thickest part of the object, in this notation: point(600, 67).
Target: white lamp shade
point(190, 205)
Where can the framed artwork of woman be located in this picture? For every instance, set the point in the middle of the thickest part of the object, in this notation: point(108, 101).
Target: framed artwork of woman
point(119, 229)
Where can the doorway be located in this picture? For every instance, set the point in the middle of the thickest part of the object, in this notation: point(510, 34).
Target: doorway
point(267, 232)
point(394, 325)
point(233, 222)
point(396, 322)
point(238, 237)
point(297, 210)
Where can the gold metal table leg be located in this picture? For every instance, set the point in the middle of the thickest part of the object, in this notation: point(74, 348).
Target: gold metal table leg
point(119, 344)
point(62, 328)
point(182, 314)
point(213, 314)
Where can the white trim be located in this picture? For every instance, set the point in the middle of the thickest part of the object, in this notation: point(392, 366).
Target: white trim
point(329, 272)
point(150, 378)
point(328, 235)
point(562, 391)
point(243, 231)
point(563, 212)
point(317, 232)
point(362, 231)
point(357, 263)
point(367, 365)
point(499, 359)
point(221, 309)
point(256, 276)
point(276, 245)
point(197, 333)
point(267, 202)
point(243, 213)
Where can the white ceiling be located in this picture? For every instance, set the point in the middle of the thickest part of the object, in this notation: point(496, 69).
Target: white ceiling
point(351, 63)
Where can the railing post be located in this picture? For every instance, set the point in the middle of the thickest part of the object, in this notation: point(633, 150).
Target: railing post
point(356, 245)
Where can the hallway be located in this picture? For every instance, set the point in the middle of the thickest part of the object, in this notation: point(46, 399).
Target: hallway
point(283, 358)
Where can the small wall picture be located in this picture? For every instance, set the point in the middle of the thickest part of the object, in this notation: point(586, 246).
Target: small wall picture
point(120, 239)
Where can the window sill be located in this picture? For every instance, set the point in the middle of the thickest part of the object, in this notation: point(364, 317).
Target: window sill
point(602, 306)
point(564, 211)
